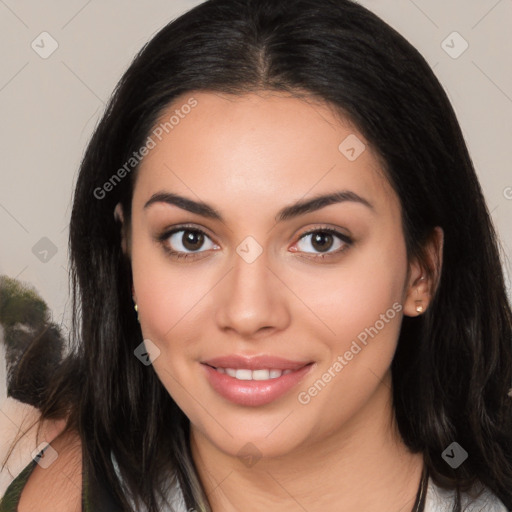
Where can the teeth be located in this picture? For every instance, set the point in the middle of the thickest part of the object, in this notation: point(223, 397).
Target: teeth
point(262, 374)
point(244, 374)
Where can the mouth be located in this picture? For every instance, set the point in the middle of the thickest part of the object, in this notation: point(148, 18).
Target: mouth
point(254, 381)
point(247, 374)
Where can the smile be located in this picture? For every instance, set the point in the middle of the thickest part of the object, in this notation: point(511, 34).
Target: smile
point(254, 381)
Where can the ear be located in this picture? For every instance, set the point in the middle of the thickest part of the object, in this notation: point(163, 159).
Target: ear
point(119, 217)
point(424, 275)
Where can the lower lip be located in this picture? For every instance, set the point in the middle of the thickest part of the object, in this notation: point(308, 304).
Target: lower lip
point(254, 392)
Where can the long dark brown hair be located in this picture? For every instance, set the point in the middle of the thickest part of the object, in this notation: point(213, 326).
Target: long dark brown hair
point(453, 366)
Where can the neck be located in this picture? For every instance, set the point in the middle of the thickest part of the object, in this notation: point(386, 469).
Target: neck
point(363, 466)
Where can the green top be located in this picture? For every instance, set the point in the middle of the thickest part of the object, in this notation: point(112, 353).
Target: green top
point(95, 496)
point(11, 498)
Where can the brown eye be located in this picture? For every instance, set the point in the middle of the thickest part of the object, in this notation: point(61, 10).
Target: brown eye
point(183, 242)
point(323, 240)
point(192, 240)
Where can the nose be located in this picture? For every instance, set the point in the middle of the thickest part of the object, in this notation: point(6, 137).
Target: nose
point(253, 298)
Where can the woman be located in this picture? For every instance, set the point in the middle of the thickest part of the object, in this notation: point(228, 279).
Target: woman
point(287, 282)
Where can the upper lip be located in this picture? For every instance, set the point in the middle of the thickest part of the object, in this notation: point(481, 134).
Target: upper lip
point(255, 362)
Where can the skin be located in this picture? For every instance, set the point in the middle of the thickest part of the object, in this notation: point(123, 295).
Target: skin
point(249, 156)
point(57, 487)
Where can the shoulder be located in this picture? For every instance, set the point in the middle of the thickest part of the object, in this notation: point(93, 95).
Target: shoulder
point(55, 484)
point(442, 500)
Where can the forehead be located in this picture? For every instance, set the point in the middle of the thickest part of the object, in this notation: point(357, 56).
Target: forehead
point(257, 150)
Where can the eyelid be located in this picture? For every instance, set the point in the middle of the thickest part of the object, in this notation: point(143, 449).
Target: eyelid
point(166, 232)
point(327, 229)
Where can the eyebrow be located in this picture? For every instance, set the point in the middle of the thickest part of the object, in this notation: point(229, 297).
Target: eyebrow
point(296, 209)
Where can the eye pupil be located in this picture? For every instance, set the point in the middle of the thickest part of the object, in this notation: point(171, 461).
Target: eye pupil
point(319, 241)
point(192, 240)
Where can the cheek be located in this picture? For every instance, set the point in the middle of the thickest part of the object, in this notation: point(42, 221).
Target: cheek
point(361, 304)
point(166, 290)
point(354, 296)
point(169, 299)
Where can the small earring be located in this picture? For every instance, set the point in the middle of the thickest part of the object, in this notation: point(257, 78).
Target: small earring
point(419, 306)
point(136, 310)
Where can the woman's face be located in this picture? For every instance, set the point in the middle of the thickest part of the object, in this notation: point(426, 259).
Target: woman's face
point(257, 296)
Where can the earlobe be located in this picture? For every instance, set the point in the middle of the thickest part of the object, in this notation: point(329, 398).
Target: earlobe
point(418, 296)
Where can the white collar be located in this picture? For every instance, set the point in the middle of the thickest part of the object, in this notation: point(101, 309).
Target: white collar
point(442, 500)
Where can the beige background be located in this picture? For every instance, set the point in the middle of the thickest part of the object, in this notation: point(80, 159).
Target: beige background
point(50, 107)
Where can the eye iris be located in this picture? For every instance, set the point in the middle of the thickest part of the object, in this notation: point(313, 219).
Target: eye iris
point(319, 241)
point(191, 239)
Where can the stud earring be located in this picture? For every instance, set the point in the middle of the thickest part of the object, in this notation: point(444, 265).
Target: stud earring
point(136, 308)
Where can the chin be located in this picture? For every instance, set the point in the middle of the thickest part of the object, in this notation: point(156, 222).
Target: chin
point(276, 435)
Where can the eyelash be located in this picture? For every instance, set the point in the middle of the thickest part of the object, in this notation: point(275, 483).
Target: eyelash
point(163, 238)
